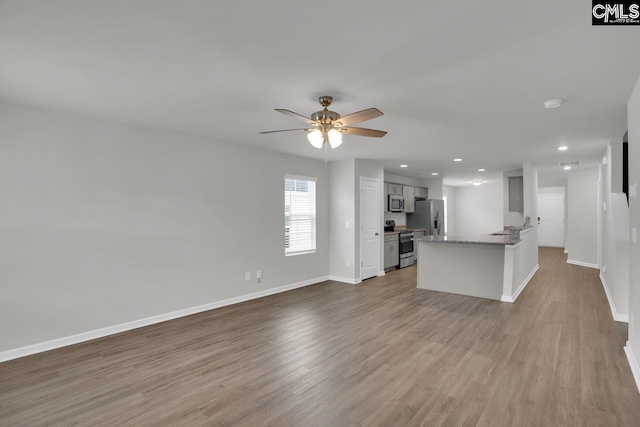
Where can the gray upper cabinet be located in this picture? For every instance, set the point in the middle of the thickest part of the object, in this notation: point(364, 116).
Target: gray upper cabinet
point(395, 189)
point(409, 198)
point(516, 194)
point(422, 193)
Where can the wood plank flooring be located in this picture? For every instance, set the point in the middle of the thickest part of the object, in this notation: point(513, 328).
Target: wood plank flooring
point(381, 353)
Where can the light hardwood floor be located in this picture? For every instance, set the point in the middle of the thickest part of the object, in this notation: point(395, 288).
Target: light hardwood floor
point(381, 353)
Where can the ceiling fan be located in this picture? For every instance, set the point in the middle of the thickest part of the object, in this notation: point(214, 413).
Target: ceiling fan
point(328, 126)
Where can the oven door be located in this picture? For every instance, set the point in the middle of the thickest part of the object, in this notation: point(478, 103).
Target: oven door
point(406, 246)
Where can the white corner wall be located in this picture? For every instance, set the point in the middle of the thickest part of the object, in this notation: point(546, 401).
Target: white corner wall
point(478, 210)
point(103, 224)
point(582, 225)
point(530, 184)
point(449, 193)
point(614, 271)
point(510, 218)
point(633, 346)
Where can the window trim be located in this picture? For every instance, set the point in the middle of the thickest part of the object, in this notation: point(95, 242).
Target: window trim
point(315, 216)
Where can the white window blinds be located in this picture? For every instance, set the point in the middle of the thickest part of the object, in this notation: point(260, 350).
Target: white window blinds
point(299, 215)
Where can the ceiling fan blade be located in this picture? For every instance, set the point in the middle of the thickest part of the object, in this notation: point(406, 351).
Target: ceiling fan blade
point(360, 116)
point(295, 115)
point(362, 131)
point(283, 130)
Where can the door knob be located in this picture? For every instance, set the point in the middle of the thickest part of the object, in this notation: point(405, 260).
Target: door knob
point(377, 234)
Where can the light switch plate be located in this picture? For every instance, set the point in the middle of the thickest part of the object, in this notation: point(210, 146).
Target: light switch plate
point(633, 190)
point(346, 224)
point(605, 160)
point(634, 235)
point(604, 206)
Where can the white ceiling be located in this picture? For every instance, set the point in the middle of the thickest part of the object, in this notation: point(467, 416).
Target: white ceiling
point(454, 79)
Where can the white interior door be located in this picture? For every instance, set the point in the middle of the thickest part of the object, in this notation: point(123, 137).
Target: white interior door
point(369, 228)
point(551, 214)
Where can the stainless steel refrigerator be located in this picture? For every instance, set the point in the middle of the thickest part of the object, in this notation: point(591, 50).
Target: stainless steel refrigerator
point(429, 214)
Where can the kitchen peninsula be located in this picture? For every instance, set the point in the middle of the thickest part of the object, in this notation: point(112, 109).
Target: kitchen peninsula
point(495, 266)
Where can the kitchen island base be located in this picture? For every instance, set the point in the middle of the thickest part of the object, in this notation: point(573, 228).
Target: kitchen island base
point(486, 268)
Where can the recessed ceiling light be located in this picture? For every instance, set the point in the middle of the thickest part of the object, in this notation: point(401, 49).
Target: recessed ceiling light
point(404, 166)
point(434, 173)
point(552, 103)
point(481, 170)
point(457, 160)
point(563, 147)
point(477, 183)
point(567, 168)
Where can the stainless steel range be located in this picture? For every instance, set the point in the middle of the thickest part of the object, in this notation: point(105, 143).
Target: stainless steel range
point(406, 244)
point(406, 249)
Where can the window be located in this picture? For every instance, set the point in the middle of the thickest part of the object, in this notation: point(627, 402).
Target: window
point(299, 215)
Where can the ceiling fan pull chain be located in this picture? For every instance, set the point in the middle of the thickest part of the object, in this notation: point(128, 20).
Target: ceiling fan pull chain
point(326, 153)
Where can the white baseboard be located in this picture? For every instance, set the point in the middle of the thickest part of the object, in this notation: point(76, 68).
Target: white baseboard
point(633, 363)
point(345, 280)
point(616, 316)
point(525, 282)
point(382, 273)
point(123, 327)
point(582, 264)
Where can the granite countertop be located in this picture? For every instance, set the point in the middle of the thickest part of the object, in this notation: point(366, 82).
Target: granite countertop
point(386, 233)
point(481, 240)
point(518, 227)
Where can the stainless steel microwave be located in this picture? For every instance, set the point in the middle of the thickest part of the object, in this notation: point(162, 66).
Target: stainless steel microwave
point(396, 203)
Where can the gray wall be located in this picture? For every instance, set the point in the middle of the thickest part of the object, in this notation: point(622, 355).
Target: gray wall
point(478, 210)
point(633, 111)
point(342, 208)
point(102, 224)
point(582, 225)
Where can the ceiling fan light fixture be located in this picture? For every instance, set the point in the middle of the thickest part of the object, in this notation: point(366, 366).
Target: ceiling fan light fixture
point(335, 138)
point(315, 138)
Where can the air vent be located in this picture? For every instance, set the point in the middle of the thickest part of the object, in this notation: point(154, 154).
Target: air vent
point(574, 163)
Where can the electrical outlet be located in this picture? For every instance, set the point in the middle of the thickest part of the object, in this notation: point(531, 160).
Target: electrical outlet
point(634, 235)
point(604, 268)
point(259, 274)
point(347, 225)
point(247, 275)
point(348, 263)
